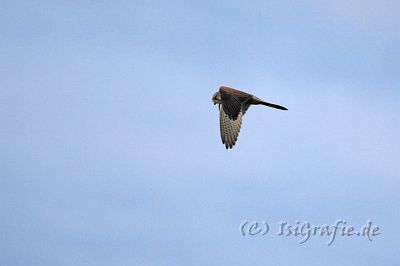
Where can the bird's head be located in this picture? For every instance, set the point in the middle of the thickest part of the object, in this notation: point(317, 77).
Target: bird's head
point(216, 98)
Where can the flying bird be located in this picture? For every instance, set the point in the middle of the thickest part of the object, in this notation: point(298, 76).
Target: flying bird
point(234, 105)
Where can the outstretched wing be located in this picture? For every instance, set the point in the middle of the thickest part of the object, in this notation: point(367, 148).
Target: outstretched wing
point(229, 128)
point(233, 101)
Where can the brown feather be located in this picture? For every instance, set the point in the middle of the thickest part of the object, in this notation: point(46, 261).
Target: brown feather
point(235, 103)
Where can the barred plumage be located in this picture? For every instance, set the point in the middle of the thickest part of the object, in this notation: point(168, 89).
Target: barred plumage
point(233, 104)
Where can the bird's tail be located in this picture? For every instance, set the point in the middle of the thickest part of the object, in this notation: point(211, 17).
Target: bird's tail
point(259, 101)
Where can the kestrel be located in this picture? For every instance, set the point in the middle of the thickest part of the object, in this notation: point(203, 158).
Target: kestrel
point(234, 105)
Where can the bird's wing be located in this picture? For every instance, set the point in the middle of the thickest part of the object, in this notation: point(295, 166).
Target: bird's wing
point(229, 128)
point(233, 100)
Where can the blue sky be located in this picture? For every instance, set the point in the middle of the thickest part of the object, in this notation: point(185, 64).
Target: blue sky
point(109, 143)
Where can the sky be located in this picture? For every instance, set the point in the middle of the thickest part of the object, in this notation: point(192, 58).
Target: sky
point(110, 151)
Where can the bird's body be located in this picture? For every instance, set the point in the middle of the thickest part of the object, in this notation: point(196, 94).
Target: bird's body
point(234, 103)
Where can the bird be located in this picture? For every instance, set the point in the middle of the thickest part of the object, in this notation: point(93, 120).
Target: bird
point(232, 105)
